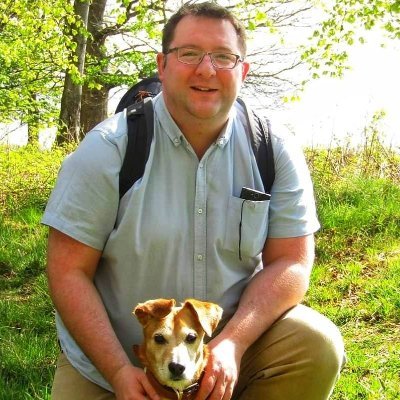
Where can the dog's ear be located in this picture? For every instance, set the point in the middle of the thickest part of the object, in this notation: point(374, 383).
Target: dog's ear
point(208, 314)
point(158, 309)
point(140, 354)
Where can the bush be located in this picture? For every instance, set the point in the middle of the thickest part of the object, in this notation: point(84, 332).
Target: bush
point(27, 176)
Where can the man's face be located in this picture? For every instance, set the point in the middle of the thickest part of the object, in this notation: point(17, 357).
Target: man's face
point(201, 92)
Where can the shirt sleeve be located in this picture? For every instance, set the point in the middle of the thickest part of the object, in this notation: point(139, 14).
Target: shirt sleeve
point(84, 202)
point(292, 205)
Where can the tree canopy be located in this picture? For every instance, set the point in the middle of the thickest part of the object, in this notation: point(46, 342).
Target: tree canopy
point(59, 60)
point(344, 24)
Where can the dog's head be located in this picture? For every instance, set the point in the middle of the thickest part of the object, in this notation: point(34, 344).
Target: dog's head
point(173, 348)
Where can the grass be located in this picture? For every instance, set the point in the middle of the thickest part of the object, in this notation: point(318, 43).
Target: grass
point(355, 280)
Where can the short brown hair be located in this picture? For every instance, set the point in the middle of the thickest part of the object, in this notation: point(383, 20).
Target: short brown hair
point(208, 10)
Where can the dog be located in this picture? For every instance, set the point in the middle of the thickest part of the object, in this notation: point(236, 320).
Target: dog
point(173, 352)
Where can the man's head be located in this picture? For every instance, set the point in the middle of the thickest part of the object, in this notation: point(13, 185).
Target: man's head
point(202, 66)
point(207, 10)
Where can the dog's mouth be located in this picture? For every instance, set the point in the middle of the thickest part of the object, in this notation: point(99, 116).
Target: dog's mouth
point(177, 379)
point(176, 385)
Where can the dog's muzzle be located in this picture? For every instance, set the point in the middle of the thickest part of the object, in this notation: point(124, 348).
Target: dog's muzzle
point(169, 393)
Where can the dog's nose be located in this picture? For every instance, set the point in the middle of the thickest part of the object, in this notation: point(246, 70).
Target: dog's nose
point(176, 369)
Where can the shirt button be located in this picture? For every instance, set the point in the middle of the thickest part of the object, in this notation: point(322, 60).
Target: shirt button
point(200, 211)
point(176, 141)
point(199, 257)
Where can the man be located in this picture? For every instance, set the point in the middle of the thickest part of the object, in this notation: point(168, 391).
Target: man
point(175, 234)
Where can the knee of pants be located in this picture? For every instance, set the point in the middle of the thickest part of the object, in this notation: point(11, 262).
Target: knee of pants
point(311, 338)
point(301, 339)
point(299, 357)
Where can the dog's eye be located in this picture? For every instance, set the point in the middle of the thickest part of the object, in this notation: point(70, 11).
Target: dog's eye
point(190, 338)
point(159, 339)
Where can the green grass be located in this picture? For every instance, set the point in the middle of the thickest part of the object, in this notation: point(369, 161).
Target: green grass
point(28, 344)
point(355, 281)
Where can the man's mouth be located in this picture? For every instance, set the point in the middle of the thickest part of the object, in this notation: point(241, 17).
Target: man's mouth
point(203, 89)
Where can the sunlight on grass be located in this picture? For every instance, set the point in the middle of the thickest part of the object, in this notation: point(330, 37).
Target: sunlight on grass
point(355, 281)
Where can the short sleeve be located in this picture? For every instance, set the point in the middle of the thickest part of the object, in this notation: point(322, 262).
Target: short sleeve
point(84, 202)
point(292, 205)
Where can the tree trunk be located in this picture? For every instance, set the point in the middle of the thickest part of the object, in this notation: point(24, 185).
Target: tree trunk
point(94, 107)
point(33, 122)
point(72, 93)
point(95, 101)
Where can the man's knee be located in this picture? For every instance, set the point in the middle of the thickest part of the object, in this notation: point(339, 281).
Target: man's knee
point(300, 356)
point(314, 338)
point(69, 384)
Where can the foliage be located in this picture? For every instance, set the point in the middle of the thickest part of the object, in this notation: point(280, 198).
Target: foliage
point(372, 159)
point(355, 278)
point(33, 51)
point(27, 336)
point(38, 43)
point(27, 176)
point(345, 23)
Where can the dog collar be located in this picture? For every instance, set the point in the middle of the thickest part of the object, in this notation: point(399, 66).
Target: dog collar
point(169, 393)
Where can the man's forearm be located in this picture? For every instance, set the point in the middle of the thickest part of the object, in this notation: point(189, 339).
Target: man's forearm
point(279, 286)
point(71, 266)
point(82, 311)
point(265, 299)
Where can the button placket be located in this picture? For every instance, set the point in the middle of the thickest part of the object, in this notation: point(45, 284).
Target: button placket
point(200, 230)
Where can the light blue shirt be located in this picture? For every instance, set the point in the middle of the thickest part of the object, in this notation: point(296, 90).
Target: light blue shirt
point(175, 233)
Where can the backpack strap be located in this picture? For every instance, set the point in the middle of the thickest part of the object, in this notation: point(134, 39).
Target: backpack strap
point(140, 121)
point(260, 137)
point(147, 87)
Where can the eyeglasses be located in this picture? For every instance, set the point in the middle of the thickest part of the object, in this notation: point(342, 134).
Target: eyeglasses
point(219, 59)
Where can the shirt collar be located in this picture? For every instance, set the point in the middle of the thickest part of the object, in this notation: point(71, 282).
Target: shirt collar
point(172, 130)
point(166, 121)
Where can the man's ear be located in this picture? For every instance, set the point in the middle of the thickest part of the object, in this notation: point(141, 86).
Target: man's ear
point(245, 69)
point(208, 314)
point(157, 309)
point(161, 62)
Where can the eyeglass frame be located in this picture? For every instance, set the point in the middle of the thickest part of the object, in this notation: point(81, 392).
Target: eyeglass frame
point(207, 53)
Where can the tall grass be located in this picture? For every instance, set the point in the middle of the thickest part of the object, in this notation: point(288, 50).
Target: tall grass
point(354, 282)
point(28, 345)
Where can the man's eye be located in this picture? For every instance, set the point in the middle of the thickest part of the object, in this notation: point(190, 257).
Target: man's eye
point(190, 338)
point(225, 57)
point(189, 53)
point(159, 339)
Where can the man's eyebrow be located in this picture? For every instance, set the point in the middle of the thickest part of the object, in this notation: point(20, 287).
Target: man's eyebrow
point(196, 47)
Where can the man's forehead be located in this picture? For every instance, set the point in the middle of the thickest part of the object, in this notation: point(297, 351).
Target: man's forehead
point(189, 32)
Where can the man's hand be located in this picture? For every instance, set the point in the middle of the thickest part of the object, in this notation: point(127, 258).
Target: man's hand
point(131, 383)
point(222, 370)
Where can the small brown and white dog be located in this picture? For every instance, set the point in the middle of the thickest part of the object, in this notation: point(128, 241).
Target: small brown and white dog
point(173, 352)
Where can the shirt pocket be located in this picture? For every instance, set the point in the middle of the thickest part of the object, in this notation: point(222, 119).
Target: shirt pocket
point(246, 226)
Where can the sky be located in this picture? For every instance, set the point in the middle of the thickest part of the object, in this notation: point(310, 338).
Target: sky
point(331, 111)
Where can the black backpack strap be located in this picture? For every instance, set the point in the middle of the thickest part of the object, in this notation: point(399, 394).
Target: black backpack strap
point(140, 121)
point(260, 138)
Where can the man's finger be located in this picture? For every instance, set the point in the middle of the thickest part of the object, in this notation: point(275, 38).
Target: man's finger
point(149, 390)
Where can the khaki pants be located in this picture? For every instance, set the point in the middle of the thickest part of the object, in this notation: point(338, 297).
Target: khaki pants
point(298, 358)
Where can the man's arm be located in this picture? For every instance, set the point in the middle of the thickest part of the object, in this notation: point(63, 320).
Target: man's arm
point(71, 266)
point(279, 286)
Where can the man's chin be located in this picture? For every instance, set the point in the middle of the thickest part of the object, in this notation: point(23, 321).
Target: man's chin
point(207, 111)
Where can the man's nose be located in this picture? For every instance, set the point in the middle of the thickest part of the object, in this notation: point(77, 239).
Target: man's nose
point(206, 66)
